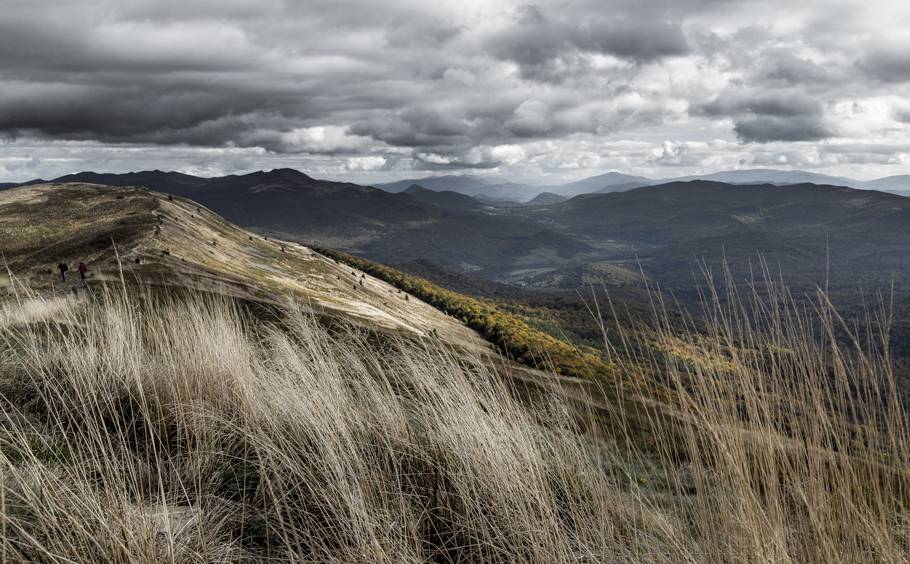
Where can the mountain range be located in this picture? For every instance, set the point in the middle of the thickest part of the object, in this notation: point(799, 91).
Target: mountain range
point(803, 226)
point(464, 184)
point(617, 182)
point(810, 235)
point(500, 191)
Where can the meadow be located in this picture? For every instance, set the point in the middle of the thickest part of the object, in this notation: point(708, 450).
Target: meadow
point(142, 427)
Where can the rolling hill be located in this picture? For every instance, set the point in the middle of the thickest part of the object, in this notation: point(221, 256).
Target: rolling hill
point(545, 199)
point(771, 176)
point(856, 222)
point(611, 181)
point(446, 199)
point(465, 184)
point(806, 236)
point(141, 236)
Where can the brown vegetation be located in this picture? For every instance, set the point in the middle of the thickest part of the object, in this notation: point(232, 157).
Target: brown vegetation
point(187, 430)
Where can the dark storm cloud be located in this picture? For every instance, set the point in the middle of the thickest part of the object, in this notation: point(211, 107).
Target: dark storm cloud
point(765, 116)
point(204, 82)
point(764, 129)
point(889, 63)
point(793, 71)
point(414, 128)
point(547, 48)
point(777, 103)
point(125, 113)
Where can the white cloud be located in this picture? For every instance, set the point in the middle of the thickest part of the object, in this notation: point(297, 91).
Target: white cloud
point(532, 117)
point(324, 139)
point(364, 163)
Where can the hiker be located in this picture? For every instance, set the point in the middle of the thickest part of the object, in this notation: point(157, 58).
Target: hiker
point(82, 270)
point(63, 268)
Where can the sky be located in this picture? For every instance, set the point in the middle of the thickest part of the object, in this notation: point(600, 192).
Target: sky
point(541, 92)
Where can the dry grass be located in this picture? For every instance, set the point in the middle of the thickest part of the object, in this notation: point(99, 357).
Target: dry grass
point(187, 431)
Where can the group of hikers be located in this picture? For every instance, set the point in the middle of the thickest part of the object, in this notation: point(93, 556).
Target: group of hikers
point(63, 268)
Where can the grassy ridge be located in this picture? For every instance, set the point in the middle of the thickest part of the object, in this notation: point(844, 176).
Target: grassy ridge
point(519, 340)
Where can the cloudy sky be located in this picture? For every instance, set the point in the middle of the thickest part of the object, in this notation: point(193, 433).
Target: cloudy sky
point(372, 91)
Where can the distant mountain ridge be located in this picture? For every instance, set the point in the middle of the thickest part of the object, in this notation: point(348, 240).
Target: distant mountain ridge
point(445, 199)
point(493, 189)
point(151, 179)
point(596, 183)
point(769, 176)
point(797, 227)
point(464, 184)
point(897, 184)
point(618, 182)
point(678, 211)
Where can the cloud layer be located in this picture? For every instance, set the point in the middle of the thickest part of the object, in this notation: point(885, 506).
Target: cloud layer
point(548, 90)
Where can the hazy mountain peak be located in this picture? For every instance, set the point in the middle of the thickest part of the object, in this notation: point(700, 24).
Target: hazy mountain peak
point(596, 183)
point(545, 198)
point(463, 184)
point(414, 189)
point(771, 176)
point(283, 173)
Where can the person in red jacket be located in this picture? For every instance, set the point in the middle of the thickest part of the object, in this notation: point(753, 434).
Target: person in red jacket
point(82, 269)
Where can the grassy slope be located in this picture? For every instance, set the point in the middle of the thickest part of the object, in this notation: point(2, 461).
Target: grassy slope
point(519, 341)
point(616, 348)
point(40, 226)
point(180, 244)
point(183, 246)
point(183, 430)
